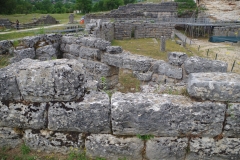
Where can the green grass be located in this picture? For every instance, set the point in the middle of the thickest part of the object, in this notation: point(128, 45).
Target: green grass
point(4, 60)
point(151, 47)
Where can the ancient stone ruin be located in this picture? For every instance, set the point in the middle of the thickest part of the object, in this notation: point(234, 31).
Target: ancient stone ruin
point(51, 98)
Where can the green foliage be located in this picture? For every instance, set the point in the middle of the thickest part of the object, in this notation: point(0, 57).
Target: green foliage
point(122, 158)
point(25, 149)
point(145, 137)
point(3, 155)
point(106, 5)
point(186, 4)
point(77, 156)
point(84, 5)
point(99, 158)
point(15, 43)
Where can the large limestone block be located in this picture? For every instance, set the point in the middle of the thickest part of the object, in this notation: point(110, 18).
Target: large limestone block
point(166, 148)
point(112, 59)
point(31, 42)
point(35, 81)
point(89, 116)
point(165, 115)
point(89, 53)
point(232, 127)
point(214, 86)
point(23, 116)
point(210, 149)
point(198, 64)
point(22, 54)
point(94, 43)
point(69, 39)
point(176, 58)
point(9, 137)
point(50, 141)
point(47, 52)
point(113, 148)
point(114, 49)
point(72, 49)
point(5, 46)
point(143, 76)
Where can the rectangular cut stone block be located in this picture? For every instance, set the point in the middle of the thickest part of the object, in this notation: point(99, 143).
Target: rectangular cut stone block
point(199, 64)
point(176, 58)
point(9, 137)
point(50, 141)
point(210, 149)
point(232, 127)
point(170, 71)
point(165, 115)
point(23, 116)
point(165, 148)
point(91, 115)
point(89, 53)
point(113, 148)
point(214, 86)
point(112, 59)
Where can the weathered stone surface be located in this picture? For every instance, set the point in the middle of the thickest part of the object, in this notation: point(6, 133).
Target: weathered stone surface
point(89, 116)
point(198, 64)
point(90, 53)
point(53, 38)
point(73, 49)
point(114, 49)
point(47, 52)
point(23, 116)
point(232, 127)
point(22, 54)
point(56, 80)
point(108, 83)
point(9, 137)
point(50, 141)
point(68, 39)
point(166, 148)
point(209, 149)
point(165, 115)
point(30, 42)
point(162, 79)
point(128, 61)
point(176, 58)
point(110, 147)
point(94, 43)
point(214, 86)
point(5, 46)
point(143, 76)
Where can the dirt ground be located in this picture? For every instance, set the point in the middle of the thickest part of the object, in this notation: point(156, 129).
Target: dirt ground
point(228, 52)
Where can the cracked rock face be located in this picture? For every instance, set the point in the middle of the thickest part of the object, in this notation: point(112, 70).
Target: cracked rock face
point(177, 58)
point(22, 54)
point(35, 81)
point(166, 148)
point(232, 128)
point(165, 115)
point(49, 141)
point(214, 86)
point(23, 116)
point(90, 116)
point(9, 137)
point(111, 147)
point(209, 149)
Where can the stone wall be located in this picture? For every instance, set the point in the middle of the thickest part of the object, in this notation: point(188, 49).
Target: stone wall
point(148, 10)
point(5, 23)
point(65, 113)
point(233, 31)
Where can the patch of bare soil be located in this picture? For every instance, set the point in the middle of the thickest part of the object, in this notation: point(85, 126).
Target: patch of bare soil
point(228, 52)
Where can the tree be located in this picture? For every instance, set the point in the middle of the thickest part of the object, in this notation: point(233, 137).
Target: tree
point(7, 6)
point(84, 5)
point(112, 4)
point(129, 1)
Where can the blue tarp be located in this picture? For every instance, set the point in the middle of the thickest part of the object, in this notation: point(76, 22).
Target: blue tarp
point(217, 39)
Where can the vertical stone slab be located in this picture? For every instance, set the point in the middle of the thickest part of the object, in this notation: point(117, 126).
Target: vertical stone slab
point(163, 44)
point(166, 148)
point(111, 147)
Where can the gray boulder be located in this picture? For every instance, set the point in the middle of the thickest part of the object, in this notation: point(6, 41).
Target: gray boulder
point(68, 39)
point(89, 53)
point(210, 149)
point(56, 80)
point(176, 58)
point(50, 141)
point(22, 54)
point(166, 148)
point(165, 115)
point(9, 137)
point(232, 127)
point(47, 52)
point(31, 42)
point(23, 116)
point(94, 43)
point(214, 86)
point(5, 46)
point(114, 49)
point(89, 116)
point(110, 147)
point(73, 49)
point(198, 64)
point(143, 76)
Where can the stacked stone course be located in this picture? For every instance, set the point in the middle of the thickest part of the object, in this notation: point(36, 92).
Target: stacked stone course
point(50, 106)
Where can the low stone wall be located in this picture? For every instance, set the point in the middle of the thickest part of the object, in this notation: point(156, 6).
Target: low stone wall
point(5, 23)
point(64, 113)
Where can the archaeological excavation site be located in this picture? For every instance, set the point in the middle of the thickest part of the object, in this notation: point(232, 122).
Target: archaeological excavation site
point(61, 91)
